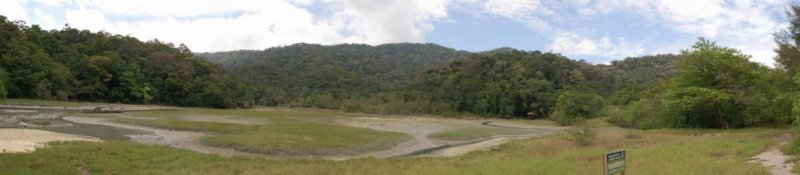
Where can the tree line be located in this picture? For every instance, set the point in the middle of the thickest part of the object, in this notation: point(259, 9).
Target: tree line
point(72, 64)
point(312, 75)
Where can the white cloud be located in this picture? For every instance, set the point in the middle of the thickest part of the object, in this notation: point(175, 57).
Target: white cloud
point(87, 19)
point(392, 21)
point(54, 3)
point(13, 9)
point(540, 16)
point(515, 8)
point(528, 12)
point(575, 44)
point(244, 24)
point(743, 24)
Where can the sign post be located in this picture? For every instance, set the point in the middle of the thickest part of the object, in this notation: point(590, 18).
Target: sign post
point(614, 163)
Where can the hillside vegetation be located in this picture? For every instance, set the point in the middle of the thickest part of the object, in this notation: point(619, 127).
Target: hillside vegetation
point(431, 79)
point(72, 64)
point(311, 75)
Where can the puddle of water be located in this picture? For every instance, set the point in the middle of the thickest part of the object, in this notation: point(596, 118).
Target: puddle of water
point(103, 132)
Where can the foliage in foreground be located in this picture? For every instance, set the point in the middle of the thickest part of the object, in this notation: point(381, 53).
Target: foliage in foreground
point(715, 87)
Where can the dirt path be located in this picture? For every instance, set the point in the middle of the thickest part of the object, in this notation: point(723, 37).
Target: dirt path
point(26, 140)
point(177, 139)
point(774, 159)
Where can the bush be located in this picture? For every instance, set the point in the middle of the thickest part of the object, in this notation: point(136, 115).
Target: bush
point(574, 106)
point(583, 136)
point(647, 113)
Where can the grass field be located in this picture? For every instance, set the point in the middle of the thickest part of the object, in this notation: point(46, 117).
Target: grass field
point(653, 152)
point(792, 147)
point(35, 102)
point(303, 138)
point(287, 132)
point(475, 133)
point(225, 128)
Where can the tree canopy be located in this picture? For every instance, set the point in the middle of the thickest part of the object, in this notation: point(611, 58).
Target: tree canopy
point(715, 87)
point(72, 64)
point(312, 75)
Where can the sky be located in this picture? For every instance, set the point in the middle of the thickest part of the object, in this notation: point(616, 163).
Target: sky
point(598, 31)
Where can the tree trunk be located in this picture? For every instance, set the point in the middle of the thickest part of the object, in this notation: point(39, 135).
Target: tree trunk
point(720, 119)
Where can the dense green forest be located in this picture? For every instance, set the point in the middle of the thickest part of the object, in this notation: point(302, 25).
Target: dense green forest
point(72, 64)
point(515, 83)
point(431, 79)
point(311, 75)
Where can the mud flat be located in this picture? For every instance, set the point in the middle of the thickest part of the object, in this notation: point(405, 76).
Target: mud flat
point(26, 140)
point(422, 146)
point(177, 139)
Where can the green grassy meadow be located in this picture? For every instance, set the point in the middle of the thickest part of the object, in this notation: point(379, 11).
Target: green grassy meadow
point(475, 133)
point(684, 151)
point(286, 132)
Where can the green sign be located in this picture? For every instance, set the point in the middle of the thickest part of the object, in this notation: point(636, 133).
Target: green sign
point(615, 163)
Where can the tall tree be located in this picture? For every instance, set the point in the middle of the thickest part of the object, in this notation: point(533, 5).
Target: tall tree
point(718, 87)
point(788, 40)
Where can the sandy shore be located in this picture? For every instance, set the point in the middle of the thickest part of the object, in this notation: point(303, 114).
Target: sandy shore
point(26, 140)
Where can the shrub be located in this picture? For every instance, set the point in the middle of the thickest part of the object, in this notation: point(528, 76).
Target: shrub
point(574, 106)
point(582, 136)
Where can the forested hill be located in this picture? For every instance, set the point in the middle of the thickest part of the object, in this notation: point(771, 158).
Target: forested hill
point(312, 75)
point(428, 78)
point(72, 64)
point(634, 75)
point(514, 83)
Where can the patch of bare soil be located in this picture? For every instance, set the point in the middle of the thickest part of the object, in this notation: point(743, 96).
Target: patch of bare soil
point(178, 139)
point(26, 140)
point(774, 159)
